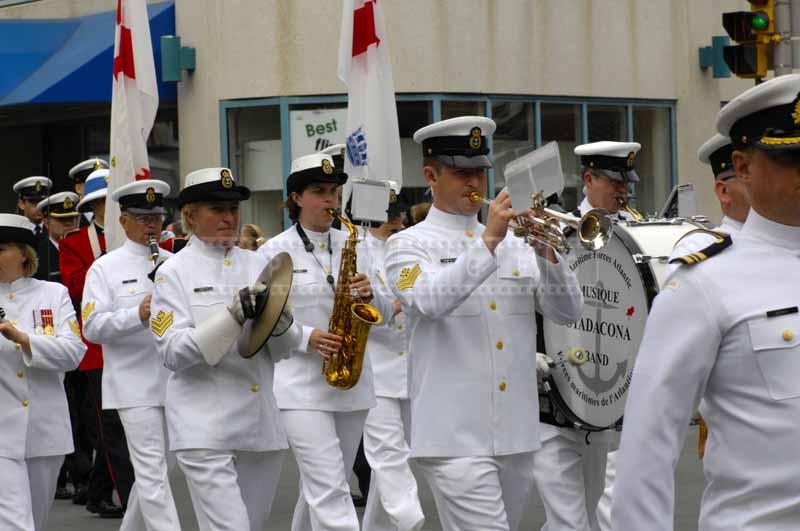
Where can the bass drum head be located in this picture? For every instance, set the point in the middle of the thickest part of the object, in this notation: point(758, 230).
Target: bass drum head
point(617, 292)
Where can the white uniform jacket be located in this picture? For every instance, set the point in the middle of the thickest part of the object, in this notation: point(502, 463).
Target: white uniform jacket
point(472, 334)
point(33, 406)
point(726, 330)
point(698, 241)
point(133, 373)
point(387, 346)
point(229, 406)
point(299, 382)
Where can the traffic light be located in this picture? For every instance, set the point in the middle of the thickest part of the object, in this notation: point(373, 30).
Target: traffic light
point(754, 31)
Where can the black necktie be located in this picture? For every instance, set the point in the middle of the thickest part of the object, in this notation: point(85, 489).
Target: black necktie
point(38, 231)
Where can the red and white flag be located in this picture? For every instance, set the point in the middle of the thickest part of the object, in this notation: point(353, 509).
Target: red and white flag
point(134, 103)
point(373, 138)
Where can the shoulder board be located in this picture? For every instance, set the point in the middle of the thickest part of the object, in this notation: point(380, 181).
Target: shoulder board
point(722, 242)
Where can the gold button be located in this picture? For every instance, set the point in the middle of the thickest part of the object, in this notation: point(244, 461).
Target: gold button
point(401, 353)
point(26, 403)
point(515, 272)
point(399, 327)
point(11, 296)
point(499, 345)
point(227, 261)
point(788, 335)
point(322, 245)
point(492, 305)
point(502, 386)
point(17, 346)
point(132, 290)
point(20, 374)
point(469, 234)
point(255, 388)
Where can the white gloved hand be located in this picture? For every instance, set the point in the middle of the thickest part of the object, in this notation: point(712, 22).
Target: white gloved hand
point(241, 312)
point(543, 364)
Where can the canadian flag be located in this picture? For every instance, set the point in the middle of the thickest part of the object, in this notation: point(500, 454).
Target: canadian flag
point(134, 103)
point(373, 138)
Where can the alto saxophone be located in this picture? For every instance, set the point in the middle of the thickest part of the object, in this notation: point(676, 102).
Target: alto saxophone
point(626, 206)
point(351, 319)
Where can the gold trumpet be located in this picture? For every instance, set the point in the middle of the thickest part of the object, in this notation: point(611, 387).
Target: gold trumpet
point(543, 224)
point(625, 206)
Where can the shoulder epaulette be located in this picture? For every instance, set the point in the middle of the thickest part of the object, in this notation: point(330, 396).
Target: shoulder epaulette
point(722, 241)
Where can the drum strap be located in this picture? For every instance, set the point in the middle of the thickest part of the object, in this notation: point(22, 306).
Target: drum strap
point(548, 413)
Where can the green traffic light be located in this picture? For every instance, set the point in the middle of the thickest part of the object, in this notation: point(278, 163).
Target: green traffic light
point(760, 21)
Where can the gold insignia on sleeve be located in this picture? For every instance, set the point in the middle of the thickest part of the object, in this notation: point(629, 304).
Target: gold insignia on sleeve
point(88, 308)
point(73, 325)
point(161, 322)
point(408, 277)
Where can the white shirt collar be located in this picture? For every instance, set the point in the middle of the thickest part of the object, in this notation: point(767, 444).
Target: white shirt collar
point(760, 228)
point(136, 248)
point(214, 251)
point(730, 225)
point(451, 221)
point(17, 285)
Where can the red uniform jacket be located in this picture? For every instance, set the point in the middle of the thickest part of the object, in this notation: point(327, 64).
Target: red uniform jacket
point(75, 258)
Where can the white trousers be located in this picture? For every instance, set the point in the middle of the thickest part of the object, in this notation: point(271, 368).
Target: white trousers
point(570, 476)
point(325, 445)
point(27, 490)
point(150, 505)
point(231, 490)
point(393, 501)
point(480, 493)
point(604, 505)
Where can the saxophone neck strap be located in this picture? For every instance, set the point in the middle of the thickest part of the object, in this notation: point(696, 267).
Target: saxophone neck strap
point(309, 247)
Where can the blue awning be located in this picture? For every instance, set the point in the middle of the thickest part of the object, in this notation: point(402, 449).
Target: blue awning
point(71, 60)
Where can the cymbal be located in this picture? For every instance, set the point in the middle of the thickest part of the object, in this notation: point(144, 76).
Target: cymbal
point(277, 276)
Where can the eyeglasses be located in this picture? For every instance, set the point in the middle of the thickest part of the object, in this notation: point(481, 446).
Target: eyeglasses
point(147, 219)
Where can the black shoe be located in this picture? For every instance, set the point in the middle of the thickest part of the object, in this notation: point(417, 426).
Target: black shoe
point(81, 495)
point(63, 493)
point(105, 509)
point(358, 501)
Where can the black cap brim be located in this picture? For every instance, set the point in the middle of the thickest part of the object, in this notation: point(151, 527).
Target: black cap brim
point(17, 235)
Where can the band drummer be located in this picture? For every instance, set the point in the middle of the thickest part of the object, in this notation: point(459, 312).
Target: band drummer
point(469, 292)
point(323, 423)
point(222, 421)
point(724, 334)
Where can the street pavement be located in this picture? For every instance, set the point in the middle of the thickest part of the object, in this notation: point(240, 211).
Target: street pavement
point(689, 487)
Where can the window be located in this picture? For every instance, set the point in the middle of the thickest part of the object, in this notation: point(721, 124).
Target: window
point(412, 115)
point(562, 123)
point(513, 138)
point(652, 129)
point(454, 108)
point(256, 159)
point(608, 122)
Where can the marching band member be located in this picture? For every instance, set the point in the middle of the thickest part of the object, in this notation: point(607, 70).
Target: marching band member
point(469, 293)
point(323, 423)
point(724, 334)
point(79, 174)
point(31, 191)
point(112, 468)
point(393, 501)
point(118, 293)
point(575, 474)
point(221, 416)
point(60, 218)
point(40, 342)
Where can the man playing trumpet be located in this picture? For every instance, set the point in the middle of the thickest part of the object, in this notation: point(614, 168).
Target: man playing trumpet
point(469, 293)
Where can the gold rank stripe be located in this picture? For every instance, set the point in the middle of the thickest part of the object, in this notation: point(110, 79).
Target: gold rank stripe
point(88, 308)
point(408, 277)
point(73, 325)
point(161, 322)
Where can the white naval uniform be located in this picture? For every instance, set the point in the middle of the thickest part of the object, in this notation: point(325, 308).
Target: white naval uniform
point(575, 479)
point(222, 420)
point(472, 333)
point(393, 501)
point(712, 339)
point(324, 454)
point(33, 405)
point(134, 378)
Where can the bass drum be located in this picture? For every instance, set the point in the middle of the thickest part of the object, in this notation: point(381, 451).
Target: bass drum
point(594, 357)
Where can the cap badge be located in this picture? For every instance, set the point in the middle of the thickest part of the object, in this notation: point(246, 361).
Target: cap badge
point(796, 111)
point(150, 195)
point(97, 164)
point(327, 169)
point(226, 178)
point(631, 159)
point(392, 197)
point(68, 203)
point(38, 186)
point(475, 140)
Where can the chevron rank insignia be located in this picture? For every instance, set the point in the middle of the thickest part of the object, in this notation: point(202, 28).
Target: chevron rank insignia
point(722, 242)
point(88, 308)
point(408, 277)
point(73, 325)
point(161, 322)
